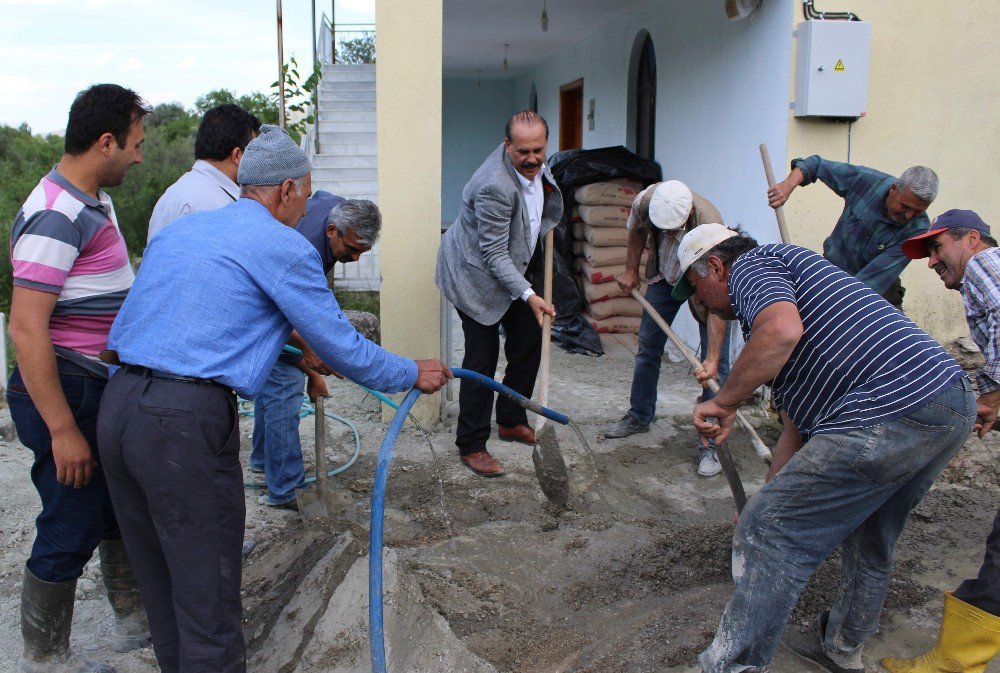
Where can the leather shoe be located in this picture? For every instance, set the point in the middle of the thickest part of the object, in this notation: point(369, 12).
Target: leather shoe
point(483, 464)
point(519, 433)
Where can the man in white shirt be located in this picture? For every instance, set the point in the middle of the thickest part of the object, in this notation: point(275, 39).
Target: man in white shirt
point(222, 137)
point(507, 207)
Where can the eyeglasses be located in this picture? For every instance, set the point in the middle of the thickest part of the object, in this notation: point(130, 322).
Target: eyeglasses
point(350, 248)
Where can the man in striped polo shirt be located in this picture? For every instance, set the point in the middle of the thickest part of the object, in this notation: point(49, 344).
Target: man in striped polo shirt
point(965, 256)
point(872, 409)
point(71, 275)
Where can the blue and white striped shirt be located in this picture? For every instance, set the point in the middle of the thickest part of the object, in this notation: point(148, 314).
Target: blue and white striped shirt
point(860, 362)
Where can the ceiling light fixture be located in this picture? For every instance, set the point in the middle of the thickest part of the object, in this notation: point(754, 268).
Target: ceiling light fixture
point(506, 65)
point(545, 16)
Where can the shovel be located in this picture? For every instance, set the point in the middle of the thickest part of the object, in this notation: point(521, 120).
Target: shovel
point(550, 468)
point(316, 506)
point(722, 451)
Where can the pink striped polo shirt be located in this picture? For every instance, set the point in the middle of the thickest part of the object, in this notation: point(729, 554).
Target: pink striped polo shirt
point(68, 243)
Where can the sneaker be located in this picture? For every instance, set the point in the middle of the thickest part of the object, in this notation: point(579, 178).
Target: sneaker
point(625, 427)
point(708, 464)
point(809, 646)
point(291, 504)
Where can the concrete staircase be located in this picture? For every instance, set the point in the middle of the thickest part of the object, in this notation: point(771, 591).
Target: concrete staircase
point(346, 162)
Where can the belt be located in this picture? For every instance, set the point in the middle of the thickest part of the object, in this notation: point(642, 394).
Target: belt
point(147, 372)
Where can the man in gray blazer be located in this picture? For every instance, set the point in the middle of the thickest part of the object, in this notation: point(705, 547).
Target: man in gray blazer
point(508, 206)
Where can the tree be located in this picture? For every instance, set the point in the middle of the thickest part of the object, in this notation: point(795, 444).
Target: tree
point(357, 50)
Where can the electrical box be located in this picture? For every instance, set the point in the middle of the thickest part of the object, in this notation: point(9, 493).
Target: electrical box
point(831, 72)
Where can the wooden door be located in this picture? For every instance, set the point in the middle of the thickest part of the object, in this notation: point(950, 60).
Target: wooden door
point(571, 115)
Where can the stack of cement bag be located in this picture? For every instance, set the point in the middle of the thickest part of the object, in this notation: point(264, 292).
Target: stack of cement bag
point(599, 243)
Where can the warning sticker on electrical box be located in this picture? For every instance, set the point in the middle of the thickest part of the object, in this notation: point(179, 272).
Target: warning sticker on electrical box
point(840, 65)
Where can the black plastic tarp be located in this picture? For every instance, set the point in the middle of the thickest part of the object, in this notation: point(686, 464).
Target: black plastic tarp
point(571, 169)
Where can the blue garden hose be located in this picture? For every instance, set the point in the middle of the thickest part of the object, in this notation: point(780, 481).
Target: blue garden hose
point(375, 631)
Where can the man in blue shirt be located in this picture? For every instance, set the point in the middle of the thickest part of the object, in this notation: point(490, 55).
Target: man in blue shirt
point(880, 212)
point(964, 254)
point(214, 303)
point(340, 231)
point(872, 410)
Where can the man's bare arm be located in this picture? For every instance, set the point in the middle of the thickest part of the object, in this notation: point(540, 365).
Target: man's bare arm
point(629, 279)
point(36, 359)
point(775, 333)
point(716, 329)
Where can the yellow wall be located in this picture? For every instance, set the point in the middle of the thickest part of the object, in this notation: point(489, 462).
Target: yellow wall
point(932, 100)
point(408, 81)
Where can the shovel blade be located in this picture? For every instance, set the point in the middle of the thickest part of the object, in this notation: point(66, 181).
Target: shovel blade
point(313, 507)
point(550, 468)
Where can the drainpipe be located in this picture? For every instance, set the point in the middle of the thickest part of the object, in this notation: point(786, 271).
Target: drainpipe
point(281, 73)
point(315, 60)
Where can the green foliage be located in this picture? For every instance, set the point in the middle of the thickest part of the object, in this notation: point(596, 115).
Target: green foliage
point(24, 159)
point(298, 94)
point(357, 50)
point(264, 106)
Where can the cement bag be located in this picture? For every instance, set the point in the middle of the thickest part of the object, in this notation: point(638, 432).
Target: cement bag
point(594, 292)
point(605, 216)
point(579, 231)
point(578, 248)
point(599, 274)
point(628, 182)
point(604, 256)
point(604, 237)
point(617, 324)
point(605, 194)
point(622, 306)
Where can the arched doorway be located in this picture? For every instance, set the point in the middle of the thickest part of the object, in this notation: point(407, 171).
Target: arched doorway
point(645, 100)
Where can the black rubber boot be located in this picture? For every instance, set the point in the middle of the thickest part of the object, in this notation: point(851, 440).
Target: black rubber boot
point(131, 630)
point(46, 619)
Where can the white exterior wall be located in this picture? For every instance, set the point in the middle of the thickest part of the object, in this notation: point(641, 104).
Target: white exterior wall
point(722, 89)
point(473, 115)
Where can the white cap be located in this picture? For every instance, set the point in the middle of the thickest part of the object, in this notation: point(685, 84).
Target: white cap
point(696, 243)
point(670, 206)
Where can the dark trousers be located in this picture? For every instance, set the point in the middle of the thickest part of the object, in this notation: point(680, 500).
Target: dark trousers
point(984, 591)
point(171, 455)
point(523, 348)
point(73, 520)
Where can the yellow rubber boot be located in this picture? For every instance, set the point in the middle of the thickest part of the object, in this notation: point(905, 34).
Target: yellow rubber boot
point(968, 639)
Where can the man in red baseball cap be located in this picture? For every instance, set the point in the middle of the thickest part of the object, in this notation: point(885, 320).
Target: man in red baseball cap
point(961, 249)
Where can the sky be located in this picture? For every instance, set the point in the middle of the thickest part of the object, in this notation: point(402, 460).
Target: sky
point(166, 50)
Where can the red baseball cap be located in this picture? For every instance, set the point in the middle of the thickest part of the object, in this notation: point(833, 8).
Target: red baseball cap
point(916, 248)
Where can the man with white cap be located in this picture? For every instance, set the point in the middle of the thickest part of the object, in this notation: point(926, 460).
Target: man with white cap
point(963, 252)
point(662, 214)
point(216, 299)
point(872, 410)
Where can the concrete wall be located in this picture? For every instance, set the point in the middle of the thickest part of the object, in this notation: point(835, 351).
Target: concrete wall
point(474, 113)
point(410, 200)
point(931, 100)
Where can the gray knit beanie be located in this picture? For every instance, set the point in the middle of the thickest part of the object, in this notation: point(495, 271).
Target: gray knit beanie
point(271, 158)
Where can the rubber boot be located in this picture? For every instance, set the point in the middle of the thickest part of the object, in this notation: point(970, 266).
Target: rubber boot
point(131, 630)
point(46, 619)
point(968, 639)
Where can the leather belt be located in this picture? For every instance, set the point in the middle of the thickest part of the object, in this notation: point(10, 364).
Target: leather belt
point(140, 370)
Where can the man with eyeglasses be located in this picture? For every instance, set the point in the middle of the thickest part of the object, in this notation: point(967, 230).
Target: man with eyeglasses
point(341, 231)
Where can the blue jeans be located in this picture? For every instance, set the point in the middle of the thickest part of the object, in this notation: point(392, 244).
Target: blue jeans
point(73, 520)
point(853, 489)
point(276, 445)
point(652, 341)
